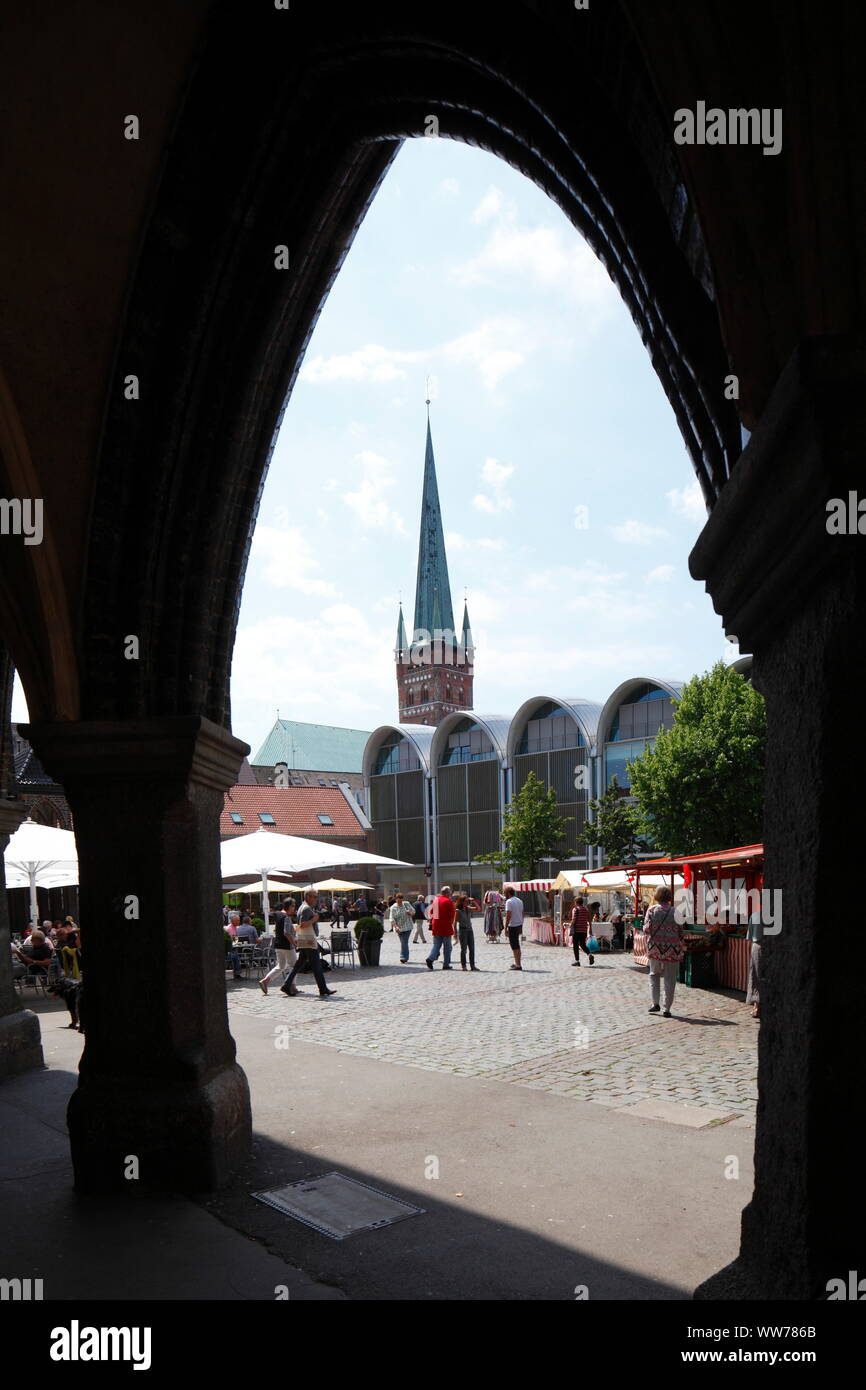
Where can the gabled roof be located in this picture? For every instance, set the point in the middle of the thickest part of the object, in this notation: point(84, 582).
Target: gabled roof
point(313, 747)
point(295, 810)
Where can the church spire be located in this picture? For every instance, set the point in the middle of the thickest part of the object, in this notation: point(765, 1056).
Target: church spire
point(466, 635)
point(402, 644)
point(432, 581)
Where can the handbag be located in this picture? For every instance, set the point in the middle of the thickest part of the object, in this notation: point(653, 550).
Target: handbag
point(591, 944)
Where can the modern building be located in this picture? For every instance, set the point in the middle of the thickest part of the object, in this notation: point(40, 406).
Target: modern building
point(437, 796)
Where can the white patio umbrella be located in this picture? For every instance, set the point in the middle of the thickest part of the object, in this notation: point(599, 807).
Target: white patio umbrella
point(40, 856)
point(273, 886)
point(337, 885)
point(267, 852)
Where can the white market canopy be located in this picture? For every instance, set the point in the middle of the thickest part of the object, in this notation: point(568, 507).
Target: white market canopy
point(40, 856)
point(273, 886)
point(289, 854)
point(267, 852)
point(337, 885)
point(582, 880)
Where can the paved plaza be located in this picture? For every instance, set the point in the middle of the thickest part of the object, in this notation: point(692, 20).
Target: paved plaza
point(582, 1032)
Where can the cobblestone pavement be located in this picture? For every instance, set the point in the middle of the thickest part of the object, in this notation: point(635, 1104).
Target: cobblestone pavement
point(584, 1033)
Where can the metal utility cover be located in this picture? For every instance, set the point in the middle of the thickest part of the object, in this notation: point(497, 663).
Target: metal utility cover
point(337, 1206)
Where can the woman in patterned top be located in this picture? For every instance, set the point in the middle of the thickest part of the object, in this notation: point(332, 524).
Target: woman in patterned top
point(665, 948)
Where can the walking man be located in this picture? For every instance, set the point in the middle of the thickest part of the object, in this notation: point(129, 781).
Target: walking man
point(401, 917)
point(514, 924)
point(420, 918)
point(308, 947)
point(579, 927)
point(442, 915)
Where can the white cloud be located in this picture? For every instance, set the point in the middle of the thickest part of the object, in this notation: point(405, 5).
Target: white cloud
point(490, 205)
point(489, 543)
point(546, 256)
point(290, 561)
point(495, 475)
point(689, 502)
point(370, 501)
point(636, 533)
point(449, 187)
point(495, 348)
point(660, 575)
point(370, 363)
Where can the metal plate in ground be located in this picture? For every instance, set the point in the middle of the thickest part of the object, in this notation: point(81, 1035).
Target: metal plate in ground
point(337, 1206)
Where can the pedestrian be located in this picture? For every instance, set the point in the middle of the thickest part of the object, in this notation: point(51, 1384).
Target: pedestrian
point(753, 993)
point(492, 915)
point(336, 911)
point(579, 928)
point(308, 947)
point(465, 933)
point(514, 924)
point(420, 912)
point(284, 945)
point(401, 917)
point(665, 948)
point(442, 915)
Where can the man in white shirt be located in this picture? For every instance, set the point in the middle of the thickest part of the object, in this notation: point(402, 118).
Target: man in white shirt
point(514, 924)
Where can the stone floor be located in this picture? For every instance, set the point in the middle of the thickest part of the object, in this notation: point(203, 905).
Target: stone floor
point(583, 1033)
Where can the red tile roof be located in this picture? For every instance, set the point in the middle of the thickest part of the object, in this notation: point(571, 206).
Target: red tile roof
point(295, 810)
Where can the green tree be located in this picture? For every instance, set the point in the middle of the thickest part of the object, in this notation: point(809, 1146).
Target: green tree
point(531, 830)
point(700, 787)
point(616, 824)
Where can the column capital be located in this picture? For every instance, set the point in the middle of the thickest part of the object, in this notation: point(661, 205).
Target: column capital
point(178, 746)
point(766, 540)
point(12, 813)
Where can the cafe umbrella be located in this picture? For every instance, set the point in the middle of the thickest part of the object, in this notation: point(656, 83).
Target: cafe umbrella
point(264, 852)
point(40, 856)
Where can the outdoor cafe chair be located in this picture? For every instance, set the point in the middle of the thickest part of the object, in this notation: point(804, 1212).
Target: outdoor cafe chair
point(342, 944)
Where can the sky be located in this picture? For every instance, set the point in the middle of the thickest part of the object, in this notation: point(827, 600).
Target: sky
point(568, 500)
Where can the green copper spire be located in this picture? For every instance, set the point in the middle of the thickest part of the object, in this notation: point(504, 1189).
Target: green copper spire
point(466, 636)
point(402, 644)
point(432, 591)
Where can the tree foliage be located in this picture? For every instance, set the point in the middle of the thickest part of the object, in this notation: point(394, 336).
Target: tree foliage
point(700, 787)
point(531, 830)
point(616, 824)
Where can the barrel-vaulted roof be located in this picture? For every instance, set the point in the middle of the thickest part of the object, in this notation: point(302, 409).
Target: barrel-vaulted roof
point(419, 735)
point(494, 725)
point(620, 697)
point(586, 714)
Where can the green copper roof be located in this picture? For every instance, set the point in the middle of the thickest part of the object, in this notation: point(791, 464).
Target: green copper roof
point(432, 591)
point(402, 644)
point(313, 747)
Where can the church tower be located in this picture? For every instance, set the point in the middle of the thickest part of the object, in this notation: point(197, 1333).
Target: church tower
point(435, 668)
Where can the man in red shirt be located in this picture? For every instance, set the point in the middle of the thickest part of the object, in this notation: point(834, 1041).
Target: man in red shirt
point(442, 915)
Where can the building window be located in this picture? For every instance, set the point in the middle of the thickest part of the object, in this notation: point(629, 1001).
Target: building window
point(468, 744)
point(266, 818)
point(324, 820)
point(425, 696)
point(237, 817)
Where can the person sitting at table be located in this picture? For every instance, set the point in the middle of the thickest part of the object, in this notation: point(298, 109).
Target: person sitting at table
point(232, 957)
point(247, 932)
point(36, 952)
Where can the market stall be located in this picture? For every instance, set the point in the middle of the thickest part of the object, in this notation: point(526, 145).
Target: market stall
point(720, 894)
point(537, 896)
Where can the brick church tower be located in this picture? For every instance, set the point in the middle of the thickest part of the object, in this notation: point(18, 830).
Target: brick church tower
point(435, 669)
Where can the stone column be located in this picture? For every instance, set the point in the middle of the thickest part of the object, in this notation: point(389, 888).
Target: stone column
point(20, 1041)
point(158, 1079)
point(795, 596)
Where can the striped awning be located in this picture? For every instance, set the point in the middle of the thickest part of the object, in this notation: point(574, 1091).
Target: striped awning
point(531, 885)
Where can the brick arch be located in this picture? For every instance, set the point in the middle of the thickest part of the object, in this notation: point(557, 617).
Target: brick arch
point(216, 334)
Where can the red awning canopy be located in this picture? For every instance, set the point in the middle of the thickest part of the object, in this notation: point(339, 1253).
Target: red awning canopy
point(747, 857)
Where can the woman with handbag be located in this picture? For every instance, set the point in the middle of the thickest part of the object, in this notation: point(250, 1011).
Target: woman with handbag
point(665, 948)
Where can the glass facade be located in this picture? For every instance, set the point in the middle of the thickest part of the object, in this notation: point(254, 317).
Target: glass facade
point(550, 727)
point(617, 756)
point(468, 744)
point(396, 755)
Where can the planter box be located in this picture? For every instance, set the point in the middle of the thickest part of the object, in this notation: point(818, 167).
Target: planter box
point(698, 969)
